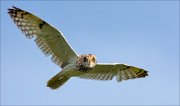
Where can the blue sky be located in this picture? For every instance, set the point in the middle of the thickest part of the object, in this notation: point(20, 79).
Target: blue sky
point(139, 33)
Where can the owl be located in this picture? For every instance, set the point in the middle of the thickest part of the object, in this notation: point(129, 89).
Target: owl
point(53, 43)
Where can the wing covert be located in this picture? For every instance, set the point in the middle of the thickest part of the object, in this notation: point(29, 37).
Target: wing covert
point(48, 39)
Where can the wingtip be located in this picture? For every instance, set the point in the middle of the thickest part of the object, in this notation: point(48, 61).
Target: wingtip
point(13, 8)
point(10, 9)
point(144, 74)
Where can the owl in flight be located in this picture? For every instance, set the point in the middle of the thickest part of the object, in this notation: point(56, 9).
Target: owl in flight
point(53, 44)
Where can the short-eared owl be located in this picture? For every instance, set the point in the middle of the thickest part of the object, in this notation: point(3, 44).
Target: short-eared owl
point(52, 43)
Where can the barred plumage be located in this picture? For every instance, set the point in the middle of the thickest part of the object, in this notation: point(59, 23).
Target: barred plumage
point(52, 43)
point(108, 71)
point(22, 20)
point(47, 37)
point(97, 76)
point(43, 46)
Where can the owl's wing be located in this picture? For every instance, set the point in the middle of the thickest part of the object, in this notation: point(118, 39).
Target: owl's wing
point(48, 38)
point(108, 71)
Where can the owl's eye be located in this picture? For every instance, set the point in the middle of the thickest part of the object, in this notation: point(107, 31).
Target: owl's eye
point(93, 59)
point(85, 59)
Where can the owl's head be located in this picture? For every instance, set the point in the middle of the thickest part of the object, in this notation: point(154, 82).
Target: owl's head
point(86, 61)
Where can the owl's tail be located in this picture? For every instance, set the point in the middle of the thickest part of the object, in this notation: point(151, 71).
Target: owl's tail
point(57, 81)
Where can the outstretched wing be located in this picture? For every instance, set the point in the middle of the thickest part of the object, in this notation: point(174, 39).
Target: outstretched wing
point(108, 71)
point(48, 38)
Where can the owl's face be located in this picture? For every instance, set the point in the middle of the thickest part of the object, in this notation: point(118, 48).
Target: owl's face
point(86, 61)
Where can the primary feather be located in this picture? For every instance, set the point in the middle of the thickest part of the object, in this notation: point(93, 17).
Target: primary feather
point(120, 71)
point(48, 39)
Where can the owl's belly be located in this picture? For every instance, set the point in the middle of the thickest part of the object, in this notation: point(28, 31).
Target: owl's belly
point(73, 71)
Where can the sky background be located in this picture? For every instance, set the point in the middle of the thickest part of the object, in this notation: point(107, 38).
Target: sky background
point(138, 33)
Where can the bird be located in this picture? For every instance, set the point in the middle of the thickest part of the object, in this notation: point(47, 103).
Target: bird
point(53, 43)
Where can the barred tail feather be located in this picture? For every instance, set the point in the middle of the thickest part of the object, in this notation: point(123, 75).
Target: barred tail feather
point(57, 81)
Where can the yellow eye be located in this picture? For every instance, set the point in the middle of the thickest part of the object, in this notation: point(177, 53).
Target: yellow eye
point(93, 59)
